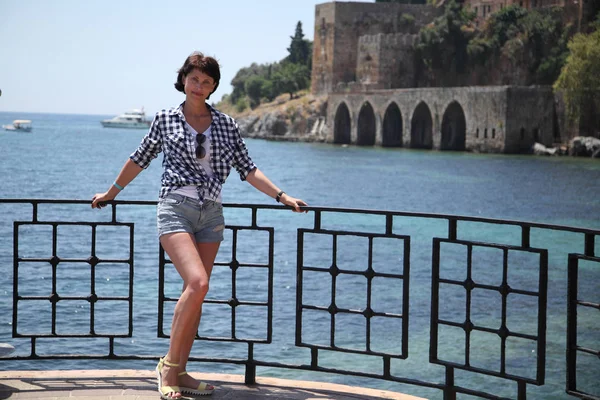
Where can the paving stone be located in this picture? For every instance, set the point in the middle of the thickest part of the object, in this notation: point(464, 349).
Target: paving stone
point(128, 397)
point(42, 394)
point(141, 392)
point(98, 392)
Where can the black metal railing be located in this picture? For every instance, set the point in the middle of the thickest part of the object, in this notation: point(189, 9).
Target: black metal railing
point(452, 237)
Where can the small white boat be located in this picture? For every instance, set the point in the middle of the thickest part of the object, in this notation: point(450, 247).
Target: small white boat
point(22, 125)
point(134, 119)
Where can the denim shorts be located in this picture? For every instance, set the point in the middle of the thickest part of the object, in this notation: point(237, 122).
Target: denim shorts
point(178, 213)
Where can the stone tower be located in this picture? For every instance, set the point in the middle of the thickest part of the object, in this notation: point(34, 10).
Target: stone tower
point(345, 31)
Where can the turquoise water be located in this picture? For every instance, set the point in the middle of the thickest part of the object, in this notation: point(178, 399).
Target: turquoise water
point(73, 157)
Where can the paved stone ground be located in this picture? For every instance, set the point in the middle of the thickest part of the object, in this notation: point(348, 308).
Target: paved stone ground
point(141, 385)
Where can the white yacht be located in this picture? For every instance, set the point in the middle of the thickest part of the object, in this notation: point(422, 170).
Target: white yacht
point(135, 119)
point(22, 125)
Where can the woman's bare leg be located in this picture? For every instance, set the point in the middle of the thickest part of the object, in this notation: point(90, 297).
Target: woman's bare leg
point(208, 253)
point(182, 251)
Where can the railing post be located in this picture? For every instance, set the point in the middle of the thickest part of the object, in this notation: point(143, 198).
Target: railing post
point(250, 376)
point(572, 284)
point(452, 228)
point(522, 390)
point(449, 391)
point(589, 245)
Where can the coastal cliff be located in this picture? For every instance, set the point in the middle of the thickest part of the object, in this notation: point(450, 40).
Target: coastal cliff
point(301, 119)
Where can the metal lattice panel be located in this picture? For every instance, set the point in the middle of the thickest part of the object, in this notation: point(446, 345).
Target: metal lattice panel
point(333, 273)
point(234, 301)
point(55, 297)
point(503, 331)
point(573, 348)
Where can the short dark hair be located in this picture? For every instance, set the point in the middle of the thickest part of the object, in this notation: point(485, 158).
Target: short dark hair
point(204, 64)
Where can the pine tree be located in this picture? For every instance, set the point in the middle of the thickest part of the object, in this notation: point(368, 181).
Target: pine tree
point(299, 48)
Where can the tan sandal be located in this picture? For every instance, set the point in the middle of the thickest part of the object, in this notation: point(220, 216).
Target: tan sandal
point(166, 390)
point(201, 390)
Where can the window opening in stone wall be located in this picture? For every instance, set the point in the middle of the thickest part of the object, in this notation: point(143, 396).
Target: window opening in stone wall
point(477, 133)
point(494, 133)
point(536, 135)
point(485, 133)
point(522, 133)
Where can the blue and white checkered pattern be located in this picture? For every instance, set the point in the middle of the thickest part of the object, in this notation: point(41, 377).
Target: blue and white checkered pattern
point(168, 133)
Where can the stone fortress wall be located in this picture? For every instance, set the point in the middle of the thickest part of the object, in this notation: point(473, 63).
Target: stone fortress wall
point(363, 61)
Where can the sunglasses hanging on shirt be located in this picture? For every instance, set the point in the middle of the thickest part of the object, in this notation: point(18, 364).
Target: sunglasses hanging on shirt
point(200, 150)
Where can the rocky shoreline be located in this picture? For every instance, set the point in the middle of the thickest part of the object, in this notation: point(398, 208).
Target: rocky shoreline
point(579, 146)
point(297, 120)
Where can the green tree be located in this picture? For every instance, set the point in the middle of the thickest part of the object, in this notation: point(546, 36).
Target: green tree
point(239, 80)
point(536, 38)
point(291, 78)
point(547, 37)
point(300, 49)
point(552, 62)
point(253, 88)
point(579, 79)
point(267, 90)
point(267, 81)
point(443, 44)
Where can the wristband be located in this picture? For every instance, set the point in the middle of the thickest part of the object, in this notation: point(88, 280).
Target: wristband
point(115, 184)
point(279, 196)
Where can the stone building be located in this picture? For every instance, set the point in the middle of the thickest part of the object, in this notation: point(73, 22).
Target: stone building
point(495, 119)
point(379, 27)
point(363, 60)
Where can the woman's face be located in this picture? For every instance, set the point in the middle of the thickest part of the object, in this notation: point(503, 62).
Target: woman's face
point(198, 85)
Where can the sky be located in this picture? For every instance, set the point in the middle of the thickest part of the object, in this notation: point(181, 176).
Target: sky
point(109, 56)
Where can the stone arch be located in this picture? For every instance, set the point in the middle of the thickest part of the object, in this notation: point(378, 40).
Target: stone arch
point(366, 126)
point(454, 128)
point(341, 133)
point(392, 127)
point(421, 128)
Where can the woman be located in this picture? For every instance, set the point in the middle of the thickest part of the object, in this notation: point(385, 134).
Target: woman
point(200, 146)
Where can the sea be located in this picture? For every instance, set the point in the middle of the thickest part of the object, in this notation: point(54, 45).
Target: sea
point(73, 157)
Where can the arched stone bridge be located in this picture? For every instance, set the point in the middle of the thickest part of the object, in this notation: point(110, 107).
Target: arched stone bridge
point(500, 119)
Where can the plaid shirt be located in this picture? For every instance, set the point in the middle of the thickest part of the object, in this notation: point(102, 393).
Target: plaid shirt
point(168, 133)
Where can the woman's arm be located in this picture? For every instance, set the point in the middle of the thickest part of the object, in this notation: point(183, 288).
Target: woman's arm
point(140, 159)
point(128, 173)
point(259, 180)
